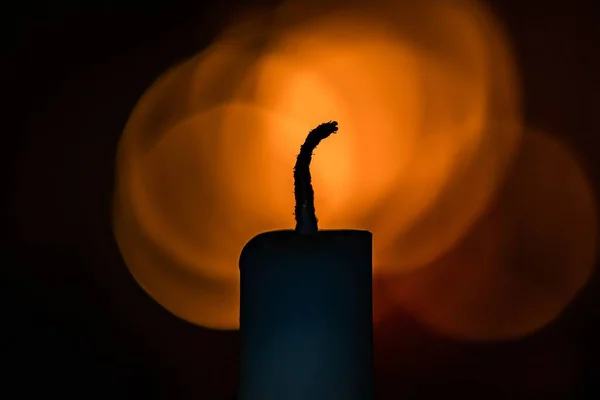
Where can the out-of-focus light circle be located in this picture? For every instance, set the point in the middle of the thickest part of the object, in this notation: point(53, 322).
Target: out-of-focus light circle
point(428, 107)
point(523, 263)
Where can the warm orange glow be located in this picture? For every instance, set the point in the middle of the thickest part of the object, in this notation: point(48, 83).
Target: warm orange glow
point(523, 263)
point(428, 109)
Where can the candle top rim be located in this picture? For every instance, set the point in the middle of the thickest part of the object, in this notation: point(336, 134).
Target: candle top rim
point(292, 240)
point(325, 233)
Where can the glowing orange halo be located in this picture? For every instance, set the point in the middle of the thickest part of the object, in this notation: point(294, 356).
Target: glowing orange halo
point(202, 140)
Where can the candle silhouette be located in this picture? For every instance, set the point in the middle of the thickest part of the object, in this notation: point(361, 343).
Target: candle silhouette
point(306, 305)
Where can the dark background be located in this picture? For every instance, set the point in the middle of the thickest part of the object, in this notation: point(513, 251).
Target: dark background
point(74, 323)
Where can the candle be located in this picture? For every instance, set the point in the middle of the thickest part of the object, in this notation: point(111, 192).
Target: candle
point(306, 305)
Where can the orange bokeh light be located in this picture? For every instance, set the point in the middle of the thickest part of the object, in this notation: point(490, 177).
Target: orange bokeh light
point(522, 263)
point(428, 107)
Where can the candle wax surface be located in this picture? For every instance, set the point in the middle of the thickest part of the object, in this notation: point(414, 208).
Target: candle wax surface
point(306, 319)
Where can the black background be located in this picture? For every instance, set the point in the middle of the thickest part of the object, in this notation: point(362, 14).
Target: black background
point(74, 323)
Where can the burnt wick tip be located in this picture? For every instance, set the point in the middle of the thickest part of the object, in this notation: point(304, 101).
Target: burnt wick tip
point(306, 219)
